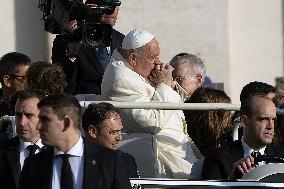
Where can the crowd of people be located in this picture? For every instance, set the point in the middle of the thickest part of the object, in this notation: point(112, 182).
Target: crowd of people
point(58, 145)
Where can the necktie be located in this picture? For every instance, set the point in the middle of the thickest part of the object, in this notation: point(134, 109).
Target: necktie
point(32, 149)
point(103, 57)
point(66, 173)
point(255, 154)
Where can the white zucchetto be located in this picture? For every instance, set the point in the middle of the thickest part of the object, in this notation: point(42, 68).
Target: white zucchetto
point(136, 38)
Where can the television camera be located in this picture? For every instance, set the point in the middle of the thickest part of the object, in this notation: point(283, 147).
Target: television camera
point(92, 32)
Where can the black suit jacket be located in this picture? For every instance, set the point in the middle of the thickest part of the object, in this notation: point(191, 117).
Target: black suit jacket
point(85, 75)
point(10, 168)
point(219, 162)
point(108, 171)
point(130, 163)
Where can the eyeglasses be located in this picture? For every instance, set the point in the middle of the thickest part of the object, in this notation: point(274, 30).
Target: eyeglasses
point(154, 57)
point(182, 78)
point(20, 78)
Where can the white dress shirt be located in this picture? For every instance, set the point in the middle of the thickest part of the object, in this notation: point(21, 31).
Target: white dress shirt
point(248, 150)
point(24, 151)
point(76, 162)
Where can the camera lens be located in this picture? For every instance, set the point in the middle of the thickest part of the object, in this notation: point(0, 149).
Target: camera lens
point(97, 34)
point(93, 35)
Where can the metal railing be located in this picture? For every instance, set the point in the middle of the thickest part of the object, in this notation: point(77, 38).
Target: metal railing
point(168, 105)
point(173, 106)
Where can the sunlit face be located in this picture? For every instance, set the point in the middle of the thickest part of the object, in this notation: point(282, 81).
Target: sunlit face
point(109, 132)
point(50, 127)
point(259, 126)
point(110, 19)
point(26, 118)
point(147, 59)
point(185, 78)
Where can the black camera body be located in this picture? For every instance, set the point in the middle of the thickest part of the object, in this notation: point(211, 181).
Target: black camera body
point(91, 31)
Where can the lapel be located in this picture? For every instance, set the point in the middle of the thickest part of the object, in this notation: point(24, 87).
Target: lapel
point(269, 150)
point(91, 161)
point(46, 168)
point(274, 150)
point(116, 40)
point(91, 55)
point(236, 152)
point(13, 156)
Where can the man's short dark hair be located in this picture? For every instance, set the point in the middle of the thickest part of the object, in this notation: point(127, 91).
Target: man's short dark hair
point(10, 61)
point(246, 104)
point(63, 105)
point(95, 114)
point(256, 88)
point(21, 96)
point(27, 94)
point(45, 77)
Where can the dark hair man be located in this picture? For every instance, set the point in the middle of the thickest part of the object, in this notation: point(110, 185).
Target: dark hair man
point(102, 125)
point(252, 88)
point(70, 162)
point(27, 142)
point(257, 88)
point(258, 114)
point(13, 67)
point(84, 66)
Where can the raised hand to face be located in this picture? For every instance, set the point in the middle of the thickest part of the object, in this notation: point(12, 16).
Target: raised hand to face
point(162, 73)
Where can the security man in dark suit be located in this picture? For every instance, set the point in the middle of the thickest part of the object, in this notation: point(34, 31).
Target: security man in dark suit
point(258, 114)
point(102, 125)
point(71, 162)
point(84, 66)
point(27, 142)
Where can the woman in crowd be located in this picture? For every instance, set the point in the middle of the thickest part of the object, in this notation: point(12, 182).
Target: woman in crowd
point(208, 128)
point(45, 77)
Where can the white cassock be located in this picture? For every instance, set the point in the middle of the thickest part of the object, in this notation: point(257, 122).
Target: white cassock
point(174, 151)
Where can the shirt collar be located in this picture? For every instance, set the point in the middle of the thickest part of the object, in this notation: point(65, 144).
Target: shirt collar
point(248, 150)
point(76, 150)
point(24, 144)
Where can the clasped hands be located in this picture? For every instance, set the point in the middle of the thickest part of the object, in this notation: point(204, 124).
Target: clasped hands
point(242, 166)
point(162, 73)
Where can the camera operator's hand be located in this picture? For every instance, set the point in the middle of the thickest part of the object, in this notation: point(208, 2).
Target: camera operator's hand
point(162, 73)
point(73, 46)
point(71, 26)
